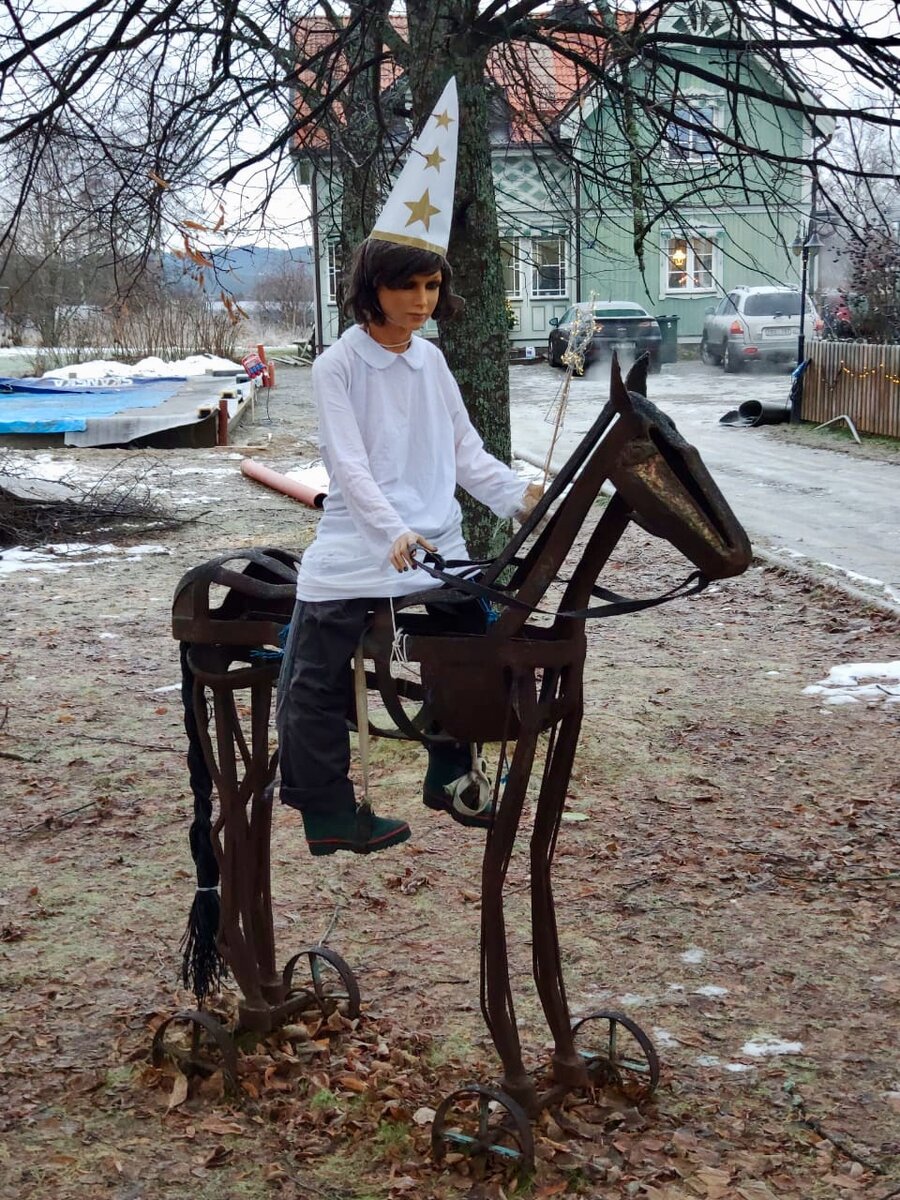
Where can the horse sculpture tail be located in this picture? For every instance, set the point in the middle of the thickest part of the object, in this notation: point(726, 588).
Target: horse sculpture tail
point(202, 965)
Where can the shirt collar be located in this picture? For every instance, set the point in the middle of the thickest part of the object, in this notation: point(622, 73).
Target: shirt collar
point(376, 356)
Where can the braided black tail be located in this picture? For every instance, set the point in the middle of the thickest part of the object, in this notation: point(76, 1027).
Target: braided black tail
point(202, 965)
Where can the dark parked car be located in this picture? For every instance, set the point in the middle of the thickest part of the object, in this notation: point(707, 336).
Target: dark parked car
point(617, 325)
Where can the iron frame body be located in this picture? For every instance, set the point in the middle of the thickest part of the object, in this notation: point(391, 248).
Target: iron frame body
point(516, 682)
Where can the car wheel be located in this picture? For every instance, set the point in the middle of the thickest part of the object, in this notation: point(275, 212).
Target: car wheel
point(655, 364)
point(551, 356)
point(708, 355)
point(734, 361)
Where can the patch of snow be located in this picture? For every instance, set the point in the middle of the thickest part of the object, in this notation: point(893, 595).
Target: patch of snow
point(170, 687)
point(63, 555)
point(707, 1060)
point(844, 684)
point(862, 579)
point(710, 989)
point(201, 471)
point(18, 559)
point(675, 987)
point(662, 1037)
point(693, 955)
point(40, 466)
point(763, 1046)
point(632, 1000)
point(713, 1060)
point(526, 469)
point(110, 635)
point(314, 475)
point(772, 674)
point(100, 371)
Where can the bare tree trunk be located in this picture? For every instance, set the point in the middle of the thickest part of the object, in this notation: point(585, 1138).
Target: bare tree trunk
point(359, 136)
point(475, 342)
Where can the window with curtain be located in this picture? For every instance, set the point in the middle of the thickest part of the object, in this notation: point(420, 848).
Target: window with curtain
point(691, 145)
point(690, 264)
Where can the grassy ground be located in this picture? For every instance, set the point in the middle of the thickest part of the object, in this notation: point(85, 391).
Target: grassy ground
point(726, 875)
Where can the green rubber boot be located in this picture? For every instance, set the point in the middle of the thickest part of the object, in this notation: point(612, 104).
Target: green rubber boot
point(456, 784)
point(360, 831)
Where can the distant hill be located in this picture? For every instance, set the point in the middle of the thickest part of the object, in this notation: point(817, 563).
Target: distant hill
point(240, 268)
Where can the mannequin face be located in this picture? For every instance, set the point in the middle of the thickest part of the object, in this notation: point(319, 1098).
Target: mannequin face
point(407, 307)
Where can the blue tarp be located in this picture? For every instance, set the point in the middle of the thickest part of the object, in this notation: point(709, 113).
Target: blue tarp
point(40, 406)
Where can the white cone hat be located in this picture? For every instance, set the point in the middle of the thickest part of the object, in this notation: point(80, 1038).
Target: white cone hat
point(419, 210)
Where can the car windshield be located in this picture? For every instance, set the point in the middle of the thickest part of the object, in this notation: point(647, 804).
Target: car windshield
point(618, 311)
point(770, 304)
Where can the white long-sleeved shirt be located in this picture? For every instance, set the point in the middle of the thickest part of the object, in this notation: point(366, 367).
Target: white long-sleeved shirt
point(396, 439)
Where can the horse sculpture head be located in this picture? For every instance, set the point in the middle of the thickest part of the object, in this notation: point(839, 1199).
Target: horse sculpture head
point(665, 483)
point(257, 589)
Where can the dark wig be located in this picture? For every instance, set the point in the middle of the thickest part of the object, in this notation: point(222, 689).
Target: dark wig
point(377, 263)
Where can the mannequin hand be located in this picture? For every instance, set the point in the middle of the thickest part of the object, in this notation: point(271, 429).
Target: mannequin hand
point(401, 555)
point(533, 493)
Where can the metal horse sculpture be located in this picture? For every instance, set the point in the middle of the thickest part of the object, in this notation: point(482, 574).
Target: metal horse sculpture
point(518, 680)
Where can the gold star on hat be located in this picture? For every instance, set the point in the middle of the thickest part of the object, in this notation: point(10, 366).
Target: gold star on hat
point(421, 210)
point(419, 203)
point(434, 159)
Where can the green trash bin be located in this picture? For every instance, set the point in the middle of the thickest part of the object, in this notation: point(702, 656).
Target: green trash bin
point(668, 329)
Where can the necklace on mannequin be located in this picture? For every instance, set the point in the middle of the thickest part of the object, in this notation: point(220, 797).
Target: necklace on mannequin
point(406, 343)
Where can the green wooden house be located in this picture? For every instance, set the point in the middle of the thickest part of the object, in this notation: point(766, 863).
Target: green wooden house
point(707, 217)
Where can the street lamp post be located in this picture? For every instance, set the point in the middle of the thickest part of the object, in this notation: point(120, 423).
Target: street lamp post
point(805, 244)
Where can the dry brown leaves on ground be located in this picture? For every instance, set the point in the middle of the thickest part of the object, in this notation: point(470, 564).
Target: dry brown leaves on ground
point(727, 877)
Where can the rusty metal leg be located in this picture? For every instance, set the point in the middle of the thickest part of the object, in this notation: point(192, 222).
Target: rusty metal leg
point(261, 775)
point(496, 993)
point(568, 1066)
point(231, 843)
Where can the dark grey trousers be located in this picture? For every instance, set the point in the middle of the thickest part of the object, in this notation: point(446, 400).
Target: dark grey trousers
point(315, 690)
point(314, 694)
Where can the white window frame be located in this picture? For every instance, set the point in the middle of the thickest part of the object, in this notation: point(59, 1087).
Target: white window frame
point(515, 264)
point(689, 240)
point(687, 145)
point(333, 269)
point(537, 292)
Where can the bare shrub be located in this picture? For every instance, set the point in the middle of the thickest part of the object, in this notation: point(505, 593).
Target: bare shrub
point(120, 501)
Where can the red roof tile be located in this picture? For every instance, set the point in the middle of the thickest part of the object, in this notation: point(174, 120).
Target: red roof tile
point(539, 82)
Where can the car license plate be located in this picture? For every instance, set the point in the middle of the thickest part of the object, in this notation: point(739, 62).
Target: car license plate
point(623, 347)
point(782, 331)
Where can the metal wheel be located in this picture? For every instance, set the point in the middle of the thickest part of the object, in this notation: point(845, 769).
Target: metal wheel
point(332, 985)
point(734, 362)
point(484, 1123)
point(191, 1051)
point(628, 1059)
point(707, 355)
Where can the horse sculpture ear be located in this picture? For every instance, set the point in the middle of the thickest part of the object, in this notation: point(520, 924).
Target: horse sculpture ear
point(636, 379)
point(618, 393)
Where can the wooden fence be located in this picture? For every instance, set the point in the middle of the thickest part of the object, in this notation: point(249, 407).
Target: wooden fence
point(861, 380)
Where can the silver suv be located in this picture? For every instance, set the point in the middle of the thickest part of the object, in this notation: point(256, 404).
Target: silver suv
point(754, 323)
